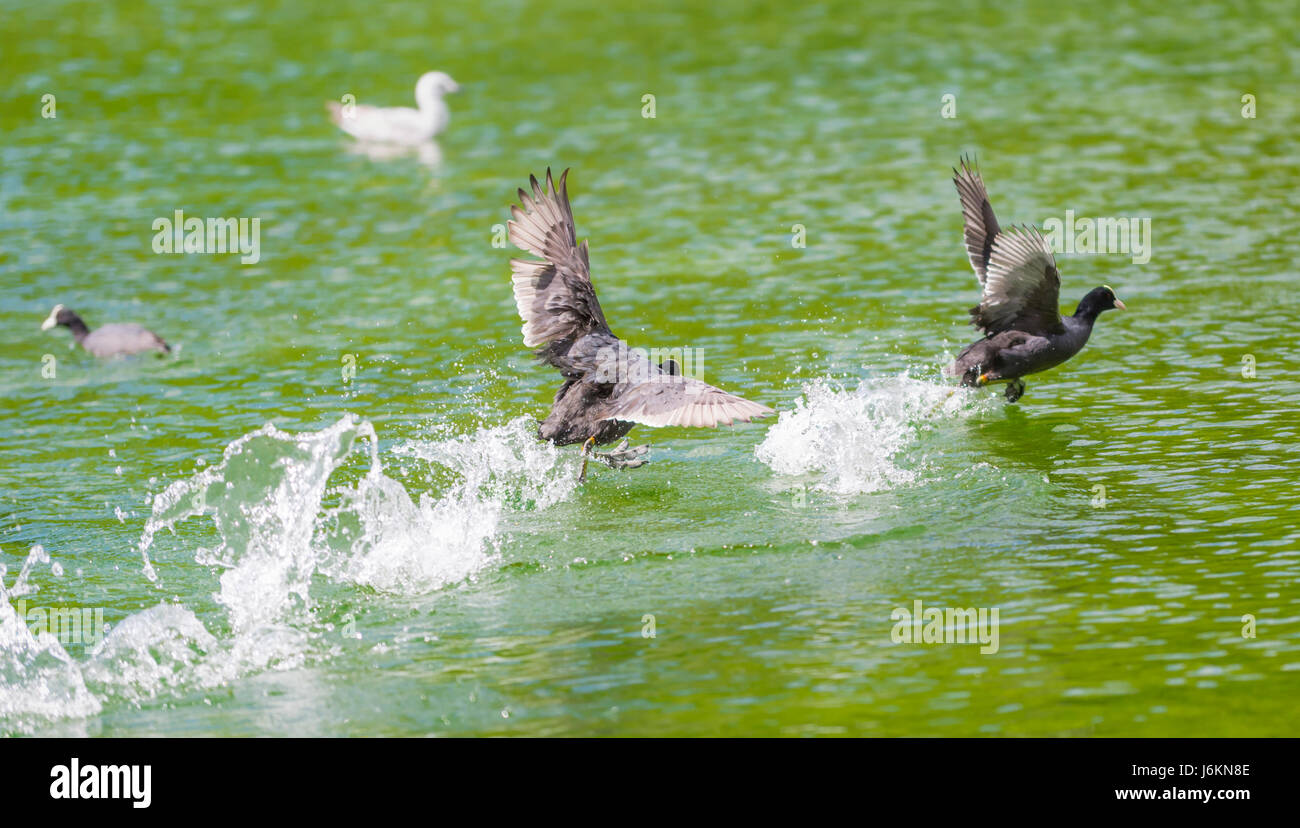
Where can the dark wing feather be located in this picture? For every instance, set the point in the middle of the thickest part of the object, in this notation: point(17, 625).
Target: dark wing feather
point(555, 297)
point(981, 226)
point(1022, 287)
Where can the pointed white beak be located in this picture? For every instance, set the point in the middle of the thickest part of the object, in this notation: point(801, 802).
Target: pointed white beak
point(1120, 304)
point(51, 320)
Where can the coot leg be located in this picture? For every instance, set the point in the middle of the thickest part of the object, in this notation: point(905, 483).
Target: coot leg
point(1015, 389)
point(623, 457)
point(586, 447)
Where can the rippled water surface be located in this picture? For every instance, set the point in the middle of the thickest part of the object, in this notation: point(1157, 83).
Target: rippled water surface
point(279, 546)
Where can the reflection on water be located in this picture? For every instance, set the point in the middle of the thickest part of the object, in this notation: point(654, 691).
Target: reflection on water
point(427, 153)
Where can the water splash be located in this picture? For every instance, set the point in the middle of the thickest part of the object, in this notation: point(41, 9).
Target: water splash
point(38, 679)
point(383, 539)
point(155, 650)
point(855, 441)
point(286, 511)
point(263, 498)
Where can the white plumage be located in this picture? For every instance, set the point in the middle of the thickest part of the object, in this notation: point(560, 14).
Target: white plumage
point(400, 125)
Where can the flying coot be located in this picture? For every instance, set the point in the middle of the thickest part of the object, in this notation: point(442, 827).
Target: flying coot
point(608, 387)
point(108, 340)
point(1019, 312)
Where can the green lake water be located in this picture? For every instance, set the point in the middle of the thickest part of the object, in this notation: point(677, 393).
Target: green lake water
point(397, 555)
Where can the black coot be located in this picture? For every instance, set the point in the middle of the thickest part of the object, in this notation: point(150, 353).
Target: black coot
point(1018, 313)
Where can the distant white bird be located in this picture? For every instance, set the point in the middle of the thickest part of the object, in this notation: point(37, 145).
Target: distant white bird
point(400, 125)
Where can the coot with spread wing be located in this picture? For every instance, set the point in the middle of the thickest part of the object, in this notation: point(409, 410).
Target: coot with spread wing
point(608, 387)
point(1024, 332)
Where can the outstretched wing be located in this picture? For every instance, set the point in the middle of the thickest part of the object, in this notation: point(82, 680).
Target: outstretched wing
point(1022, 287)
point(555, 297)
point(682, 401)
point(981, 226)
point(658, 395)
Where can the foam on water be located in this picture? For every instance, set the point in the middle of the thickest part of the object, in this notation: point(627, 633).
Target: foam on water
point(282, 521)
point(855, 441)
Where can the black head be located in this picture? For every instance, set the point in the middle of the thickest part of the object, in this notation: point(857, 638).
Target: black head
point(62, 316)
point(1098, 300)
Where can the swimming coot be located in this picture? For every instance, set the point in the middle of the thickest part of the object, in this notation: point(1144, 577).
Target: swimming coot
point(608, 387)
point(108, 340)
point(1019, 312)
